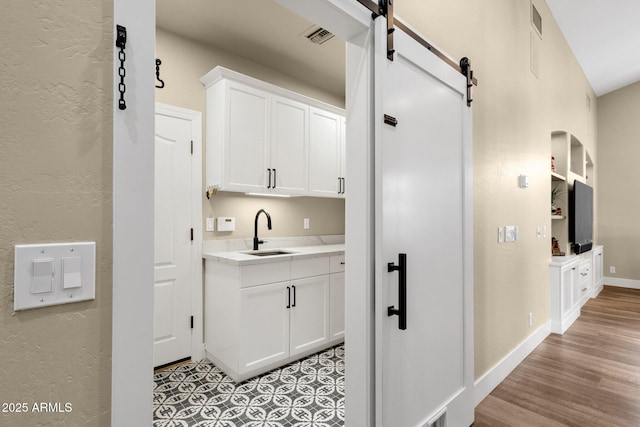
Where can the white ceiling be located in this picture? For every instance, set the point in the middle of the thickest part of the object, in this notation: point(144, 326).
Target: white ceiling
point(603, 34)
point(605, 38)
point(261, 30)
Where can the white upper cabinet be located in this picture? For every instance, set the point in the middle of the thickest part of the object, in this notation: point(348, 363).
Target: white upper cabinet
point(246, 129)
point(289, 147)
point(264, 139)
point(326, 148)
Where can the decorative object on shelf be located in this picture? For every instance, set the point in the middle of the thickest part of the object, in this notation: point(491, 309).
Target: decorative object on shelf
point(555, 196)
point(553, 164)
point(555, 247)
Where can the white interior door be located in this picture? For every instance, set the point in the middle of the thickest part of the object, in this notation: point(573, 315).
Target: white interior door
point(424, 371)
point(173, 240)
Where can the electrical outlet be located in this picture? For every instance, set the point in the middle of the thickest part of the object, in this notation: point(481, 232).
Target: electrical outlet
point(209, 224)
point(500, 235)
point(538, 232)
point(306, 223)
point(612, 269)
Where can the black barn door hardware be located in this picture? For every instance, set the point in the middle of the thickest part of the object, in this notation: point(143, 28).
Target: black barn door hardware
point(121, 42)
point(465, 69)
point(401, 311)
point(161, 85)
point(385, 8)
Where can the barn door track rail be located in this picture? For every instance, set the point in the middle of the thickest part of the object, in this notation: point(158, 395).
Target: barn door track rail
point(385, 8)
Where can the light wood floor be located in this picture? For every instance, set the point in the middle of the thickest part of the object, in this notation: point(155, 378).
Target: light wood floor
point(590, 376)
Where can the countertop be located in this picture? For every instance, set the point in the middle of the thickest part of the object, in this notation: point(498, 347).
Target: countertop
point(297, 252)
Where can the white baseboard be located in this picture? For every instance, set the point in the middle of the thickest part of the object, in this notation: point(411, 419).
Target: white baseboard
point(492, 378)
point(622, 283)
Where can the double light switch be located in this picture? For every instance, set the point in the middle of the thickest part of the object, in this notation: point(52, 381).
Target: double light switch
point(50, 274)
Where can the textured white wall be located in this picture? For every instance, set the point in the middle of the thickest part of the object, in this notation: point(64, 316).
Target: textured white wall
point(55, 176)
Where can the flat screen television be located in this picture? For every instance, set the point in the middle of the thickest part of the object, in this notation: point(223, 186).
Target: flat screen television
point(581, 217)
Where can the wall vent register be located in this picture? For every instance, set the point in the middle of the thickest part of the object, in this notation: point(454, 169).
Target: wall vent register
point(52, 274)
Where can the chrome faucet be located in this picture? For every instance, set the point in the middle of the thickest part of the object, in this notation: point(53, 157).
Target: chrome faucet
point(256, 241)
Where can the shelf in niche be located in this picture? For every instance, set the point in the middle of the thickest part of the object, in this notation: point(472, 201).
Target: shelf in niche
point(558, 217)
point(557, 177)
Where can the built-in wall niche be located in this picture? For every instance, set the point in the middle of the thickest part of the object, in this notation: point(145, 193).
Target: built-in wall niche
point(570, 161)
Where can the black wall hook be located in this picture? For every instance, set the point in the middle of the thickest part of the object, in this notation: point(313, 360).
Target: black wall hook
point(161, 85)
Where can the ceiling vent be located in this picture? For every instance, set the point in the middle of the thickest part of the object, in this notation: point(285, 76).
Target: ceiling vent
point(318, 35)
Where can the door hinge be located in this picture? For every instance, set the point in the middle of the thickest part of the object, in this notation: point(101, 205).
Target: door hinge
point(192, 234)
point(191, 147)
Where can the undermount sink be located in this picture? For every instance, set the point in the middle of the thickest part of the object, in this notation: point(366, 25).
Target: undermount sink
point(269, 253)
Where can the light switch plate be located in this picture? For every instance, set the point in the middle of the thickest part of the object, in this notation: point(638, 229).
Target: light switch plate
point(500, 234)
point(208, 226)
point(511, 233)
point(53, 273)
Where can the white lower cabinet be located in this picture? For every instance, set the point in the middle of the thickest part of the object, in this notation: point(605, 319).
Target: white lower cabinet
point(565, 293)
point(253, 327)
point(264, 330)
point(337, 298)
point(309, 314)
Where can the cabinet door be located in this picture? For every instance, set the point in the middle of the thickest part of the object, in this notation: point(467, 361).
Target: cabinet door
point(289, 146)
point(246, 138)
point(336, 306)
point(324, 153)
point(343, 150)
point(309, 315)
point(568, 292)
point(264, 331)
point(598, 272)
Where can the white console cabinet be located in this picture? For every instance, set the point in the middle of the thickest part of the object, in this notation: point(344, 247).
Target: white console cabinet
point(597, 254)
point(584, 280)
point(565, 292)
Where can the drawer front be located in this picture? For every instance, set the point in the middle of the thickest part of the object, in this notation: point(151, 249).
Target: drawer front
point(337, 263)
point(262, 274)
point(308, 267)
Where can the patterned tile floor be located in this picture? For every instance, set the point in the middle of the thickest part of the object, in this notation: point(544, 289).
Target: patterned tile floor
point(306, 393)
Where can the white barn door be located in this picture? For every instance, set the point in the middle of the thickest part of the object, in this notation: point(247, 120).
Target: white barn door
point(424, 315)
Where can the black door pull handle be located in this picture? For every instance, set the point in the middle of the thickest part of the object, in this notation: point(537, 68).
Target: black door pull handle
point(401, 311)
point(288, 297)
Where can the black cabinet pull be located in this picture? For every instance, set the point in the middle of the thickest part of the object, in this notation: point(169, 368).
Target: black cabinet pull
point(288, 297)
point(344, 187)
point(275, 178)
point(339, 185)
point(401, 311)
point(294, 296)
point(269, 185)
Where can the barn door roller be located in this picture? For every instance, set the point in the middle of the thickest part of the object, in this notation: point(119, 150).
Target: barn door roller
point(385, 8)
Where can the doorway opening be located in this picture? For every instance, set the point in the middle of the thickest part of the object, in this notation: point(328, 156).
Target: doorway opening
point(266, 41)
